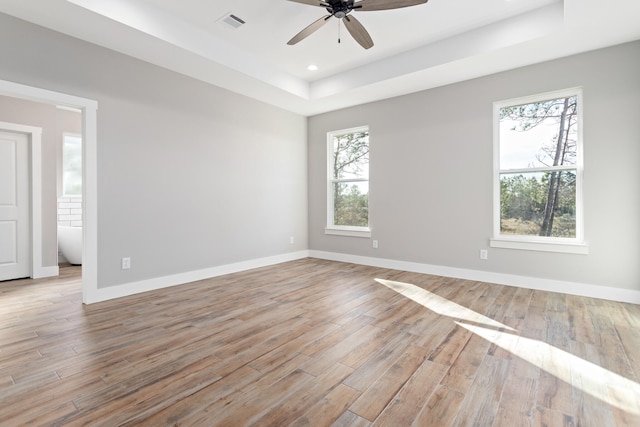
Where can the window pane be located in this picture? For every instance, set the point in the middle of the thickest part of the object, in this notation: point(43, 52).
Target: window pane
point(72, 165)
point(351, 204)
point(539, 134)
point(350, 156)
point(538, 204)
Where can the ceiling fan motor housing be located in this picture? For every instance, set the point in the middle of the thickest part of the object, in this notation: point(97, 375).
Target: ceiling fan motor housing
point(340, 8)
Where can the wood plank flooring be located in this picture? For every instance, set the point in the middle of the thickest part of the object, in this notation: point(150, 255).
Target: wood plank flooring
point(316, 343)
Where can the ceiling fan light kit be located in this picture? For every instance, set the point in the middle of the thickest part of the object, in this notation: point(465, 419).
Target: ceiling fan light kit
point(342, 9)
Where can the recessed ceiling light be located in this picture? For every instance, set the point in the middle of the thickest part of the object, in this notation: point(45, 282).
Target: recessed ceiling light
point(312, 67)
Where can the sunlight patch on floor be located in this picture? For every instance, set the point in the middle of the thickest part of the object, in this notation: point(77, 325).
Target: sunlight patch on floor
point(592, 379)
point(438, 304)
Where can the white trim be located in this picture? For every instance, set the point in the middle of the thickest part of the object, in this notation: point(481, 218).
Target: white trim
point(89, 171)
point(34, 135)
point(544, 246)
point(67, 108)
point(362, 128)
point(89, 201)
point(331, 228)
point(528, 99)
point(51, 271)
point(351, 232)
point(539, 169)
point(572, 288)
point(127, 289)
point(550, 244)
point(37, 269)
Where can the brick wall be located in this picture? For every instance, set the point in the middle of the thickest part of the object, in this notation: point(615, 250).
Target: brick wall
point(70, 211)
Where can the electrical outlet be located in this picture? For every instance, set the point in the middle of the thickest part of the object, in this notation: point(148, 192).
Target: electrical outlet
point(291, 240)
point(375, 244)
point(484, 254)
point(126, 263)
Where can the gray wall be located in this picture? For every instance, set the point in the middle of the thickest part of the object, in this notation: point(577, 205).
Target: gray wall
point(431, 172)
point(54, 122)
point(190, 176)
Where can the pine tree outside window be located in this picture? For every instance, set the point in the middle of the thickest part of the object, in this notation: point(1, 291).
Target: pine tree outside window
point(538, 173)
point(348, 182)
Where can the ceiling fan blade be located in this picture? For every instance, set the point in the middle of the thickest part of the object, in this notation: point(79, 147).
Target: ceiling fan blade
point(358, 32)
point(367, 5)
point(309, 30)
point(313, 2)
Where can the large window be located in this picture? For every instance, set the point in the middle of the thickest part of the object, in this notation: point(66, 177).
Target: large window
point(348, 182)
point(71, 165)
point(538, 178)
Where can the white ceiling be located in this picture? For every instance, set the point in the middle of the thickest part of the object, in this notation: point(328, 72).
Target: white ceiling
point(416, 48)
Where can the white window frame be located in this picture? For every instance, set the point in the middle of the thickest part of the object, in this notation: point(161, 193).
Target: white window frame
point(331, 228)
point(575, 245)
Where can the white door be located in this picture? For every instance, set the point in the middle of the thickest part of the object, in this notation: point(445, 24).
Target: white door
point(15, 261)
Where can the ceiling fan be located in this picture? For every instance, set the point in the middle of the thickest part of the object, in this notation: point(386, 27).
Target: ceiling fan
point(342, 9)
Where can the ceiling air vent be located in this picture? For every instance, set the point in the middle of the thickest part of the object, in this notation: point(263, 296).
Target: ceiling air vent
point(233, 20)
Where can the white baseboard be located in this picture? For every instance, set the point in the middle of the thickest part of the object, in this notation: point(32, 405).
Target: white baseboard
point(112, 292)
point(42, 272)
point(572, 288)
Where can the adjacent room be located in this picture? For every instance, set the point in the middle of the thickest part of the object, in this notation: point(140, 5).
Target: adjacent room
point(340, 213)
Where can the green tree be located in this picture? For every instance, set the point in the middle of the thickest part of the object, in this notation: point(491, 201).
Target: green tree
point(521, 198)
point(558, 152)
point(350, 154)
point(350, 161)
point(351, 207)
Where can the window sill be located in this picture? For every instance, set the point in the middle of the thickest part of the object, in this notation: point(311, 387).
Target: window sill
point(348, 232)
point(529, 245)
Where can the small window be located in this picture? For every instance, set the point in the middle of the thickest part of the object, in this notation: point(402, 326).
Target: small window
point(538, 181)
point(72, 165)
point(348, 182)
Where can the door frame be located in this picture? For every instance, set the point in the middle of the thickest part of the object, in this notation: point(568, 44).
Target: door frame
point(89, 109)
point(34, 137)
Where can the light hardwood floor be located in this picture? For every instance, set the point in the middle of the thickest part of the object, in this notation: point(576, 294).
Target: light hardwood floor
point(317, 343)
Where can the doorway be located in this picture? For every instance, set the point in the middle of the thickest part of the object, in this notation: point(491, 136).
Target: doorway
point(89, 177)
